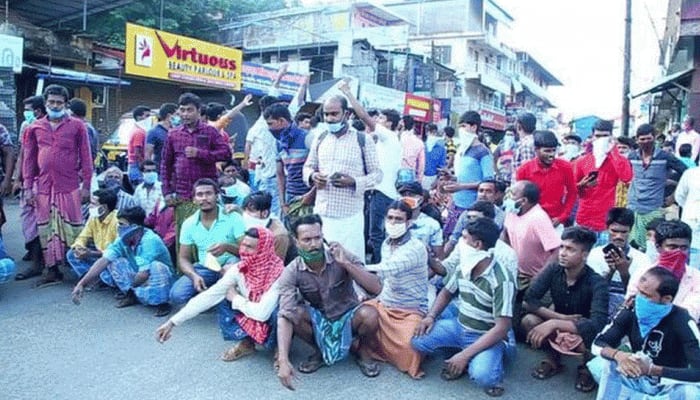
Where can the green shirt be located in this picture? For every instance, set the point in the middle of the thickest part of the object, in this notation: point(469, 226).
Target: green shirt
point(227, 228)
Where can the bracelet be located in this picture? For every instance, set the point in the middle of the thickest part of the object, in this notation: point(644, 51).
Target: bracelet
point(614, 354)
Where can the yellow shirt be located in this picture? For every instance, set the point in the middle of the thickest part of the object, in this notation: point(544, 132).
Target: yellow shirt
point(101, 233)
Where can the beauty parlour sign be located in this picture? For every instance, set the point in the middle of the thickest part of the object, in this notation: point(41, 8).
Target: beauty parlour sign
point(161, 55)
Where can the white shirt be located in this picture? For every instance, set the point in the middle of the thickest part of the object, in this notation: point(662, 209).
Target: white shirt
point(389, 154)
point(262, 146)
point(688, 197)
point(692, 138)
point(147, 199)
point(596, 260)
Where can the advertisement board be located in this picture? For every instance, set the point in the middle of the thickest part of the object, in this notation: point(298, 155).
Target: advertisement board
point(418, 107)
point(380, 97)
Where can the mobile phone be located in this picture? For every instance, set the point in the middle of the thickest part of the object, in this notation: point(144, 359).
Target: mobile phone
point(593, 175)
point(610, 248)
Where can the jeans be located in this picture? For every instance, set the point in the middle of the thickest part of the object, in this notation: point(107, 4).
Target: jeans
point(183, 289)
point(486, 368)
point(378, 205)
point(232, 331)
point(135, 176)
point(81, 267)
point(269, 185)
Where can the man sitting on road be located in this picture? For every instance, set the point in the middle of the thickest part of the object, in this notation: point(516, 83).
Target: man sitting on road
point(209, 230)
point(137, 262)
point(247, 296)
point(330, 314)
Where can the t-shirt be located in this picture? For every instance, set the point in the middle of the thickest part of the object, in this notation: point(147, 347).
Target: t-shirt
point(472, 166)
point(138, 139)
point(427, 230)
point(227, 228)
point(533, 237)
point(292, 151)
point(389, 160)
point(151, 248)
point(156, 138)
point(596, 260)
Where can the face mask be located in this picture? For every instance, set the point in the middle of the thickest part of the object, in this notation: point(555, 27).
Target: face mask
point(29, 116)
point(335, 127)
point(649, 313)
point(601, 147)
point(431, 141)
point(312, 256)
point(511, 206)
point(651, 252)
point(112, 183)
point(96, 212)
point(674, 261)
point(150, 178)
point(466, 138)
point(55, 114)
point(145, 124)
point(254, 222)
point(175, 121)
point(246, 255)
point(395, 231)
point(571, 151)
point(469, 257)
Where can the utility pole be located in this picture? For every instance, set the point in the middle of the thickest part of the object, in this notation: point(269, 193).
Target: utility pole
point(627, 70)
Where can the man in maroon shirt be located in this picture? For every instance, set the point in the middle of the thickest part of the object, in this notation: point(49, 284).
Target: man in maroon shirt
point(553, 176)
point(190, 152)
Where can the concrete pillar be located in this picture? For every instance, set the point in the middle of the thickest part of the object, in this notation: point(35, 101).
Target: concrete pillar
point(694, 94)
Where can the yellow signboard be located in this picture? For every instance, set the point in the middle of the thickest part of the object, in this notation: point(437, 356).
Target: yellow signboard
point(162, 55)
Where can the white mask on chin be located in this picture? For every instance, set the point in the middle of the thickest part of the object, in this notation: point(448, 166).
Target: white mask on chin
point(469, 257)
point(254, 222)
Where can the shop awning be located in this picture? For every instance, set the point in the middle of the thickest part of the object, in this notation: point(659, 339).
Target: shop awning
point(69, 75)
point(668, 82)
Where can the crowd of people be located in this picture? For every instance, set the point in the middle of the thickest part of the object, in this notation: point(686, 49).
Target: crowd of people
point(359, 233)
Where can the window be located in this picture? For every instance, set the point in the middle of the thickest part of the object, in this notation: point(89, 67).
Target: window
point(442, 54)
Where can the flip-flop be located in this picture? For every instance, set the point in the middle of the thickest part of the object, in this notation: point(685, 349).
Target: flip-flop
point(237, 352)
point(369, 369)
point(495, 391)
point(312, 364)
point(28, 273)
point(546, 369)
point(51, 279)
point(162, 310)
point(584, 380)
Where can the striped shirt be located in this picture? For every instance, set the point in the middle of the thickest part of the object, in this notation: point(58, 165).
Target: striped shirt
point(483, 299)
point(404, 274)
point(292, 153)
point(342, 153)
point(524, 152)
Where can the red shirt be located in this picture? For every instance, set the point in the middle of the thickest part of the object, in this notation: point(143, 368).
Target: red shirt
point(596, 201)
point(556, 183)
point(137, 142)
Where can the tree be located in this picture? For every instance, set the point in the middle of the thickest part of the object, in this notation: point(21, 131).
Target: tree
point(194, 18)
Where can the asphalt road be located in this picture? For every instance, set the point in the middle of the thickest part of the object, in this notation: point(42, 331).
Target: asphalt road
point(52, 349)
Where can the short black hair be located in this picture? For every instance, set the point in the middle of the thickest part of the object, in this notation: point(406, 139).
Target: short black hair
point(149, 163)
point(672, 230)
point(165, 110)
point(412, 187)
point(579, 235)
point(690, 121)
point(645, 129)
point(214, 110)
point(267, 101)
point(685, 150)
point(471, 118)
point(628, 141)
point(188, 98)
point(401, 206)
point(531, 192)
point(56, 90)
point(107, 197)
point(258, 201)
point(654, 223)
point(205, 182)
point(358, 125)
point(669, 144)
point(301, 116)
point(449, 131)
point(483, 207)
point(135, 215)
point(603, 125)
point(36, 103)
point(139, 111)
point(408, 122)
point(393, 116)
point(77, 107)
point(499, 185)
point(575, 138)
point(527, 122)
point(308, 219)
point(431, 127)
point(668, 283)
point(277, 111)
point(252, 232)
point(620, 215)
point(484, 229)
point(546, 139)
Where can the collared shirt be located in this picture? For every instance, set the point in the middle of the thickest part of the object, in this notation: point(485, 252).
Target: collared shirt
point(178, 173)
point(262, 147)
point(125, 200)
point(693, 139)
point(484, 298)
point(463, 221)
point(688, 295)
point(596, 260)
point(227, 228)
point(473, 165)
point(342, 154)
point(524, 152)
point(533, 237)
point(557, 186)
point(156, 137)
point(292, 153)
point(56, 159)
point(646, 192)
point(595, 201)
point(404, 274)
point(427, 230)
point(688, 196)
point(389, 162)
point(151, 248)
point(330, 291)
point(147, 198)
point(588, 297)
point(100, 232)
point(413, 154)
point(435, 158)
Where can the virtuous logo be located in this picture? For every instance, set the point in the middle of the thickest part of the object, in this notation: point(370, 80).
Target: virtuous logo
point(144, 51)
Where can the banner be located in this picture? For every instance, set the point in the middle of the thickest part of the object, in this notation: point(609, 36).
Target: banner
point(417, 107)
point(11, 52)
point(257, 79)
point(161, 55)
point(380, 97)
point(492, 119)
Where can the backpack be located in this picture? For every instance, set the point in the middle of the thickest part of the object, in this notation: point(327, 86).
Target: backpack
point(361, 139)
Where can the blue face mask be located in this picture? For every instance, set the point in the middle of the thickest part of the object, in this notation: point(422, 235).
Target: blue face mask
point(175, 121)
point(55, 114)
point(29, 116)
point(649, 313)
point(335, 127)
point(511, 206)
point(150, 178)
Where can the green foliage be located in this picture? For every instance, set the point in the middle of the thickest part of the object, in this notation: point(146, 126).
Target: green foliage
point(194, 18)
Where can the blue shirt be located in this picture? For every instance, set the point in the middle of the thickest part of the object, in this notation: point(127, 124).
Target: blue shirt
point(156, 137)
point(226, 229)
point(151, 248)
point(475, 165)
point(435, 158)
point(292, 152)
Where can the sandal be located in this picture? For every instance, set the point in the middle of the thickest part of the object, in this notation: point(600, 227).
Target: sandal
point(546, 369)
point(369, 369)
point(162, 310)
point(495, 391)
point(28, 273)
point(238, 351)
point(312, 364)
point(446, 375)
point(584, 380)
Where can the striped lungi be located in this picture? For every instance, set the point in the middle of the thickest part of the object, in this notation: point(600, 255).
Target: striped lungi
point(59, 222)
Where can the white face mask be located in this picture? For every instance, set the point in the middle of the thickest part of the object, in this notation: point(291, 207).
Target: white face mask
point(96, 212)
point(469, 257)
point(395, 231)
point(651, 252)
point(145, 124)
point(570, 151)
point(466, 138)
point(601, 148)
point(254, 222)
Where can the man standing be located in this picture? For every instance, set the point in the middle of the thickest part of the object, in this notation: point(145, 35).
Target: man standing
point(137, 143)
point(155, 138)
point(78, 109)
point(190, 153)
point(688, 197)
point(663, 343)
point(689, 136)
point(412, 148)
point(342, 165)
point(526, 125)
point(597, 175)
point(646, 194)
point(580, 299)
point(57, 169)
point(329, 315)
point(553, 176)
